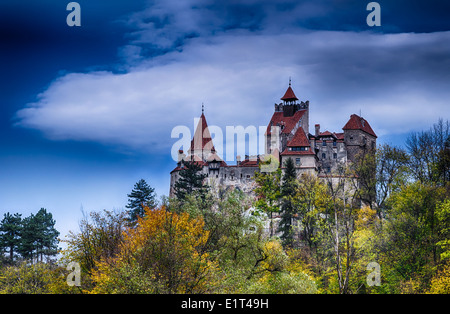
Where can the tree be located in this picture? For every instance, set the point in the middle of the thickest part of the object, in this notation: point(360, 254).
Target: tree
point(443, 165)
point(340, 217)
point(163, 254)
point(413, 236)
point(10, 230)
point(142, 195)
point(443, 225)
point(428, 153)
point(268, 192)
point(380, 173)
point(191, 180)
point(440, 284)
point(100, 237)
point(288, 209)
point(39, 237)
point(311, 200)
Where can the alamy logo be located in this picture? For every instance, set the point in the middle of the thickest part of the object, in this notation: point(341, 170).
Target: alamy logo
point(74, 278)
point(374, 17)
point(236, 142)
point(74, 17)
point(374, 277)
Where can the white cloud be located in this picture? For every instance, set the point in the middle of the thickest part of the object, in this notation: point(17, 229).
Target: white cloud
point(239, 75)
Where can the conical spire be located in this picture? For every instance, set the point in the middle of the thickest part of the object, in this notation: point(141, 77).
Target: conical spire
point(289, 95)
point(202, 138)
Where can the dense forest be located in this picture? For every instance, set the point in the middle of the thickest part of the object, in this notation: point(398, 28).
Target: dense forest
point(379, 225)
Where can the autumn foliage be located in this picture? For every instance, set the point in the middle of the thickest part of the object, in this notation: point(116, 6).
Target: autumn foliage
point(164, 253)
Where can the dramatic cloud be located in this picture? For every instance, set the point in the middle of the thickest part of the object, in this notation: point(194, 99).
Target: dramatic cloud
point(237, 58)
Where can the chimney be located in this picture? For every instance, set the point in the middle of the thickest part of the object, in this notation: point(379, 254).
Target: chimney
point(317, 130)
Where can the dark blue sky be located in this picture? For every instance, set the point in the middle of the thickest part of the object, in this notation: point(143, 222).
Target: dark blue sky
point(87, 111)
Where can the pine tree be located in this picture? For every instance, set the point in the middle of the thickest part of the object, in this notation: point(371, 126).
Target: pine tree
point(10, 229)
point(142, 195)
point(39, 237)
point(288, 210)
point(191, 179)
point(48, 241)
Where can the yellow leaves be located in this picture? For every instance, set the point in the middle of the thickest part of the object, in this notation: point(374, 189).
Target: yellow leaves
point(440, 284)
point(164, 253)
point(366, 217)
point(276, 258)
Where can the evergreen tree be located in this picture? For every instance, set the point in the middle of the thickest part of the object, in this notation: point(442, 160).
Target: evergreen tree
point(48, 237)
point(288, 210)
point(10, 229)
point(39, 236)
point(191, 179)
point(142, 195)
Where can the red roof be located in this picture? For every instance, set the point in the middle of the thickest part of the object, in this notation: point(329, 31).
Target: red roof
point(358, 123)
point(198, 162)
point(302, 152)
point(289, 95)
point(339, 136)
point(288, 122)
point(249, 163)
point(326, 133)
point(202, 138)
point(299, 139)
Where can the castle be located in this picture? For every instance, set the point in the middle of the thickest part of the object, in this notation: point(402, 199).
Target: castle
point(287, 137)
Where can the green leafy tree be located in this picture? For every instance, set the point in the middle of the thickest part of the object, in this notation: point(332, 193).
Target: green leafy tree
point(10, 229)
point(288, 210)
point(413, 236)
point(380, 173)
point(312, 200)
point(190, 181)
point(99, 238)
point(142, 195)
point(443, 220)
point(268, 193)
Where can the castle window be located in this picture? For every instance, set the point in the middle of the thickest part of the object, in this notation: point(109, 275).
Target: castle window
point(297, 161)
point(334, 143)
point(324, 155)
point(335, 155)
point(248, 176)
point(324, 143)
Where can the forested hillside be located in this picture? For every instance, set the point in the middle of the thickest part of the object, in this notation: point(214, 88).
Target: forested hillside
point(379, 225)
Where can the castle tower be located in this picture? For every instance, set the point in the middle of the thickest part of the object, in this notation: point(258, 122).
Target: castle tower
point(201, 144)
point(287, 118)
point(358, 137)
